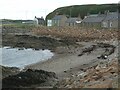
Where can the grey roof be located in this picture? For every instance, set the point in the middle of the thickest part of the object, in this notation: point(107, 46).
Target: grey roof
point(58, 17)
point(111, 16)
point(40, 19)
point(96, 18)
point(73, 20)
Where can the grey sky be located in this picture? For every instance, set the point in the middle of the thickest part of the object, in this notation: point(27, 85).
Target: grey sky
point(27, 9)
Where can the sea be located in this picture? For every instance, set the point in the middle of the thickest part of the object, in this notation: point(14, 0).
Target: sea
point(16, 57)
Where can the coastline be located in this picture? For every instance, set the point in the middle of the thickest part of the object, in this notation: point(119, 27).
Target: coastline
point(60, 63)
point(70, 61)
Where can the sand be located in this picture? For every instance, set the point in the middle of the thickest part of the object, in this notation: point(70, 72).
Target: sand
point(64, 62)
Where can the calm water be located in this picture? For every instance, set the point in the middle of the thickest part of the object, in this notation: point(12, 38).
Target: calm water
point(13, 57)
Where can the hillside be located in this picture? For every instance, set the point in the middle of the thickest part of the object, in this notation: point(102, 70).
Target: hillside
point(10, 21)
point(82, 10)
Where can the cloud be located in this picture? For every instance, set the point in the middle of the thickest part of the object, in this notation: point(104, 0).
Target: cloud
point(17, 9)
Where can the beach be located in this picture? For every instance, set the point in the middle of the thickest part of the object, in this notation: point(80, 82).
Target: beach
point(70, 59)
point(75, 64)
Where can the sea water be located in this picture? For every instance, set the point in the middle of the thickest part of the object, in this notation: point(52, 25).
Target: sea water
point(15, 57)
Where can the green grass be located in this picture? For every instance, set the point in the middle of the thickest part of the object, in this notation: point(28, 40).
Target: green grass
point(83, 10)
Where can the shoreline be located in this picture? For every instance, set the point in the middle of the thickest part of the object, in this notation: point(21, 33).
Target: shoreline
point(65, 61)
point(75, 62)
point(72, 70)
point(61, 56)
point(78, 62)
point(65, 55)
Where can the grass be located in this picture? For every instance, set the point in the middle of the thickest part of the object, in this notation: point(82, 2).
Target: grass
point(75, 32)
point(65, 32)
point(18, 25)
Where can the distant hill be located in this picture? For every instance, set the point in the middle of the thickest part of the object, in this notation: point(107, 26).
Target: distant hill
point(10, 21)
point(14, 21)
point(83, 10)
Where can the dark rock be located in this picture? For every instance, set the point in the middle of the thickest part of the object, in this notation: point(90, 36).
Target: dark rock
point(80, 54)
point(29, 41)
point(89, 49)
point(27, 78)
point(103, 57)
point(36, 48)
point(21, 49)
point(112, 72)
point(65, 71)
point(104, 45)
point(6, 71)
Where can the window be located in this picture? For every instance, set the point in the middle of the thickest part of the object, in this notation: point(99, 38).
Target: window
point(110, 24)
point(104, 24)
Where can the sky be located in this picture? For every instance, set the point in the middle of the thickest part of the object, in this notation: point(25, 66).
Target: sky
point(28, 9)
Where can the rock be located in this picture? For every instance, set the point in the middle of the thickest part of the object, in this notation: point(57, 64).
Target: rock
point(105, 84)
point(98, 67)
point(6, 71)
point(80, 54)
point(103, 57)
point(21, 49)
point(27, 78)
point(97, 77)
point(82, 74)
point(65, 71)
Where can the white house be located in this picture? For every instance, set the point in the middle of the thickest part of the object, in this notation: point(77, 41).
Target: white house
point(39, 21)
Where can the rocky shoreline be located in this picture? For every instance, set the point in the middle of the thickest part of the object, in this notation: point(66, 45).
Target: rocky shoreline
point(76, 64)
point(28, 78)
point(35, 42)
point(101, 75)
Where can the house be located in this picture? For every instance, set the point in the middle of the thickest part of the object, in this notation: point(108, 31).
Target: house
point(94, 20)
point(111, 20)
point(59, 20)
point(73, 21)
point(106, 20)
point(39, 21)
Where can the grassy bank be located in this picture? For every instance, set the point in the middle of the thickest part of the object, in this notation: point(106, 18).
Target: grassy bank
point(76, 33)
point(18, 25)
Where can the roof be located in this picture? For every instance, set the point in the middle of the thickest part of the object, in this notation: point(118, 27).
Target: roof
point(94, 18)
point(39, 19)
point(73, 20)
point(58, 17)
point(111, 16)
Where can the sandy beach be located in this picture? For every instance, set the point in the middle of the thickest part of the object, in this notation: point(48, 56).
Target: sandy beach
point(74, 64)
point(70, 60)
